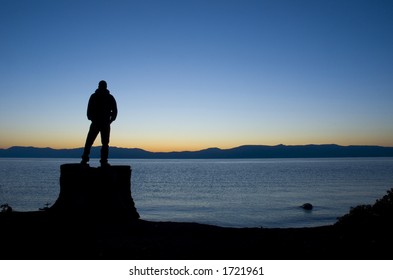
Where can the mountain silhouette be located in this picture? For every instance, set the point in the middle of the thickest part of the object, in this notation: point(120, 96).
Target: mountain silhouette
point(247, 151)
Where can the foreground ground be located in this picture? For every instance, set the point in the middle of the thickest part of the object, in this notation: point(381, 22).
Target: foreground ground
point(365, 233)
point(46, 235)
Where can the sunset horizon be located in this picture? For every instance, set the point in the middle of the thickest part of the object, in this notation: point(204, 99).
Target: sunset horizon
point(169, 150)
point(189, 75)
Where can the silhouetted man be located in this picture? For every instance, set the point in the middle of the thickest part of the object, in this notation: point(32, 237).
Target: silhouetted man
point(102, 111)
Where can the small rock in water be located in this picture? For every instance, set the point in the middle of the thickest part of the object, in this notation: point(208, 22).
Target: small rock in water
point(307, 206)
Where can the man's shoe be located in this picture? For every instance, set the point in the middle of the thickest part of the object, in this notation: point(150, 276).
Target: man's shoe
point(105, 164)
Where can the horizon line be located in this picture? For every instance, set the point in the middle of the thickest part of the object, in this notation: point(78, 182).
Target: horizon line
point(202, 149)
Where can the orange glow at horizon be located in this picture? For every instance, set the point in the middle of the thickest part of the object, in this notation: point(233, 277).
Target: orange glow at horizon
point(171, 146)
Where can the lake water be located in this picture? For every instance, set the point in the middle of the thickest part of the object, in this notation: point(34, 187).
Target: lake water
point(233, 192)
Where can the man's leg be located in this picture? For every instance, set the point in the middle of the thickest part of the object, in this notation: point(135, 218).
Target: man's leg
point(105, 134)
point(91, 136)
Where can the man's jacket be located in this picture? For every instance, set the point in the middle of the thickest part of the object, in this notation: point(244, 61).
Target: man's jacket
point(102, 107)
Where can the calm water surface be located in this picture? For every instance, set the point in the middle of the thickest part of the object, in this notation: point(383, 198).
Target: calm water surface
point(237, 193)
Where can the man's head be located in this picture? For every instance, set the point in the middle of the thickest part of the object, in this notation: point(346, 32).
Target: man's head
point(102, 85)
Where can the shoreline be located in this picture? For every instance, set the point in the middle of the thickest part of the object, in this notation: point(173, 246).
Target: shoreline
point(47, 235)
point(77, 227)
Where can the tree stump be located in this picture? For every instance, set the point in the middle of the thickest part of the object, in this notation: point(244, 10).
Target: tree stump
point(100, 191)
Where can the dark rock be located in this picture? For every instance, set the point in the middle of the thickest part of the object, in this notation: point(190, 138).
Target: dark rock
point(307, 206)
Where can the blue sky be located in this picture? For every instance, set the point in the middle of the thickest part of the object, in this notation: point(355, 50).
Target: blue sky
point(189, 75)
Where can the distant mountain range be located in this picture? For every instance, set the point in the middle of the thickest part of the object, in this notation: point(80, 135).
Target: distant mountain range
point(249, 151)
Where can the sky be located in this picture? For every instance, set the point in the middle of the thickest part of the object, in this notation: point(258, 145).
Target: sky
point(189, 75)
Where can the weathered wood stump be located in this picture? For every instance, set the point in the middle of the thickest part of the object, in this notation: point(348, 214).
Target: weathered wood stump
point(100, 192)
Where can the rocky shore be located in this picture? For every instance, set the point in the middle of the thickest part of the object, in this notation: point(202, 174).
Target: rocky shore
point(95, 218)
point(363, 234)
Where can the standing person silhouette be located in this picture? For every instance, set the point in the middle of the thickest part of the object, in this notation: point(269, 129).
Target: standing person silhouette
point(101, 111)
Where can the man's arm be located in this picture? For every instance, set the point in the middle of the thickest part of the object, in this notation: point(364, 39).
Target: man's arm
point(114, 110)
point(90, 108)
